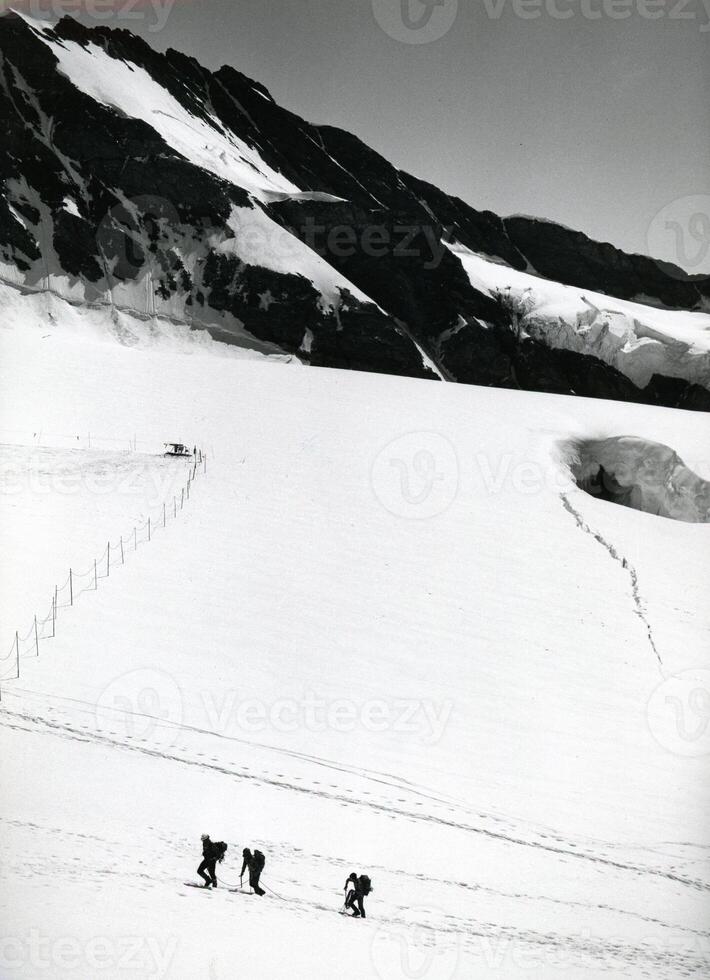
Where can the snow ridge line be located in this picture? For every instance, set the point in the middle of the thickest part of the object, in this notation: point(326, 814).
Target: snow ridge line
point(112, 556)
point(639, 609)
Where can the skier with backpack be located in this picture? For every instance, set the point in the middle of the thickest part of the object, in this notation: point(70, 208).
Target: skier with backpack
point(255, 864)
point(212, 852)
point(357, 889)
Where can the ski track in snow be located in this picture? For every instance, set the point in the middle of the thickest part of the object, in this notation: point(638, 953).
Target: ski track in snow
point(85, 734)
point(640, 609)
point(459, 930)
point(545, 818)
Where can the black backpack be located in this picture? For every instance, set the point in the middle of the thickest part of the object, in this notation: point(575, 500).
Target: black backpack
point(365, 884)
point(259, 860)
point(220, 849)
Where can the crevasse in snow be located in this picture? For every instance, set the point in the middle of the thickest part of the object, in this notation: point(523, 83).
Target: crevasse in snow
point(641, 474)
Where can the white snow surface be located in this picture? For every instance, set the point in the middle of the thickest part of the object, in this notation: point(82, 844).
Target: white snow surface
point(70, 205)
point(359, 547)
point(260, 241)
point(638, 340)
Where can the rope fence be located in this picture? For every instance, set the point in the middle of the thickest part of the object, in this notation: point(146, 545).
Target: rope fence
point(78, 582)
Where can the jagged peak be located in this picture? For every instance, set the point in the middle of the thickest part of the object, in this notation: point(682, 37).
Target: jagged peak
point(229, 71)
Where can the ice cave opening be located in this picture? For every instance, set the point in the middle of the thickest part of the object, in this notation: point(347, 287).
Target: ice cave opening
point(637, 473)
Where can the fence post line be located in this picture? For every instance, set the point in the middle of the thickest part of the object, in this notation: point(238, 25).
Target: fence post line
point(54, 612)
point(71, 588)
point(36, 639)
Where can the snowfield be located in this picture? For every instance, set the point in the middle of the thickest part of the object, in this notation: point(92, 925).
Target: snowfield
point(388, 634)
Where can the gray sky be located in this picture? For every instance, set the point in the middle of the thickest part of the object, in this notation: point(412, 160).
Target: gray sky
point(597, 123)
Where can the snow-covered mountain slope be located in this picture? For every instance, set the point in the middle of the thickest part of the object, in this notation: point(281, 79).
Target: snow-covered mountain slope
point(106, 323)
point(637, 339)
point(387, 634)
point(142, 182)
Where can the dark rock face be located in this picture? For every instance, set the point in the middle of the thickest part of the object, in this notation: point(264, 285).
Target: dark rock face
point(572, 258)
point(396, 258)
point(104, 201)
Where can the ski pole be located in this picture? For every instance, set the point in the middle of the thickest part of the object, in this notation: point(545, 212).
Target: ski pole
point(273, 892)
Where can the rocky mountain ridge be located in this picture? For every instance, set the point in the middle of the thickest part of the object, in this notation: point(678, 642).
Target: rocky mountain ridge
point(144, 181)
